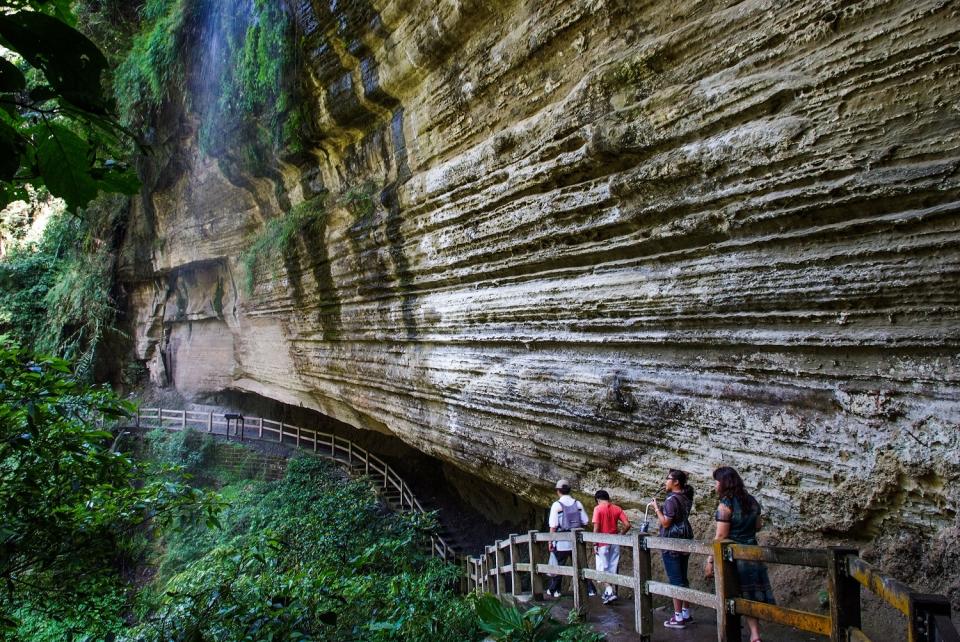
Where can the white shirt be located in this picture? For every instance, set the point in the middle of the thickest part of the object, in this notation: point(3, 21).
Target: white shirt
point(556, 512)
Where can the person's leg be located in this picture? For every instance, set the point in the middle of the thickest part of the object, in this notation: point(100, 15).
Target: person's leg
point(684, 607)
point(602, 563)
point(613, 564)
point(563, 559)
point(671, 564)
point(754, 625)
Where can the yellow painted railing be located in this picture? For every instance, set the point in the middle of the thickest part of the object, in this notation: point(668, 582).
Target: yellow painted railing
point(516, 565)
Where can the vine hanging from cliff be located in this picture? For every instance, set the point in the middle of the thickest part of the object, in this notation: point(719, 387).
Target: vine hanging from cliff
point(231, 61)
point(276, 240)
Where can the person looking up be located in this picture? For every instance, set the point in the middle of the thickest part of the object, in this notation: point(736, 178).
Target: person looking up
point(675, 523)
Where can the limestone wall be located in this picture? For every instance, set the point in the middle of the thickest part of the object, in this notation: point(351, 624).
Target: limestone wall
point(603, 238)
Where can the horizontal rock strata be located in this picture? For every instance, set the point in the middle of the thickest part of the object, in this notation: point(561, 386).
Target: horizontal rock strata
point(597, 239)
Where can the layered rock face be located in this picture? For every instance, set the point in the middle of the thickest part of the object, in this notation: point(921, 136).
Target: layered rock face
point(599, 239)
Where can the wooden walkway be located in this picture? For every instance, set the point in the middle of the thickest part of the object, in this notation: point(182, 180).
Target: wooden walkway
point(516, 565)
point(394, 490)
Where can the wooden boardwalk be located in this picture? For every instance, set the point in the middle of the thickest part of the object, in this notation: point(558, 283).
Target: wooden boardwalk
point(394, 490)
point(516, 565)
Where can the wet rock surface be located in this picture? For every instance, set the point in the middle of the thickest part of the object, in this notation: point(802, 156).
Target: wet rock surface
point(597, 239)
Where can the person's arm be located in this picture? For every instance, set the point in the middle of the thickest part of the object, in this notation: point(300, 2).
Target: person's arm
point(583, 515)
point(664, 519)
point(623, 524)
point(724, 513)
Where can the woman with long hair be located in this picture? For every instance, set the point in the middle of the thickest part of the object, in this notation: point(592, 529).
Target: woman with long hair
point(675, 522)
point(739, 518)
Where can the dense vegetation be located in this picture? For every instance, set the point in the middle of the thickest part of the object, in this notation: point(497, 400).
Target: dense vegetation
point(56, 294)
point(57, 128)
point(71, 509)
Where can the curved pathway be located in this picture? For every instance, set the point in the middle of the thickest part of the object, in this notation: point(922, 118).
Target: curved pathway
point(394, 490)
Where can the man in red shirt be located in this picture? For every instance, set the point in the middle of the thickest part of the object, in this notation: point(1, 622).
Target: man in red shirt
point(608, 518)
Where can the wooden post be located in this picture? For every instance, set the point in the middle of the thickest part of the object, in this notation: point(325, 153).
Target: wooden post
point(921, 619)
point(160, 417)
point(259, 427)
point(333, 449)
point(844, 594)
point(536, 580)
point(514, 559)
point(500, 581)
point(366, 463)
point(349, 452)
point(298, 435)
point(484, 576)
point(281, 432)
point(578, 560)
point(210, 422)
point(642, 600)
point(727, 587)
point(183, 420)
point(138, 416)
point(240, 428)
point(316, 440)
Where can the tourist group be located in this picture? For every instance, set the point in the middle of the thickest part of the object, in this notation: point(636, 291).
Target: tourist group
point(738, 518)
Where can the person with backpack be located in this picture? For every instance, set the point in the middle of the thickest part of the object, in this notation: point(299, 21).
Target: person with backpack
point(566, 514)
point(675, 522)
point(608, 518)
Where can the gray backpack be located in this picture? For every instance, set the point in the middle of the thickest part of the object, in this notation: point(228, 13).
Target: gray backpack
point(570, 516)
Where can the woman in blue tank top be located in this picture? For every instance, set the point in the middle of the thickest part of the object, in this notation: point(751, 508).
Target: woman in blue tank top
point(739, 518)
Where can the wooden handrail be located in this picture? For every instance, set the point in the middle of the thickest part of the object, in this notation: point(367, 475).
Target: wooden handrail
point(499, 568)
point(928, 616)
point(205, 421)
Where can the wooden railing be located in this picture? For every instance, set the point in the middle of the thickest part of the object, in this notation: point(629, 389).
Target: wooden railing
point(391, 485)
point(515, 565)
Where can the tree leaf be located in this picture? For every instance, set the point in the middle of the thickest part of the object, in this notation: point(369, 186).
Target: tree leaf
point(117, 180)
point(71, 63)
point(11, 78)
point(64, 163)
point(11, 146)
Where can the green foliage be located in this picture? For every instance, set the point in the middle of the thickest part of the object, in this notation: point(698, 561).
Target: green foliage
point(508, 623)
point(253, 102)
point(55, 295)
point(242, 95)
point(154, 65)
point(69, 504)
point(313, 557)
point(56, 125)
point(277, 239)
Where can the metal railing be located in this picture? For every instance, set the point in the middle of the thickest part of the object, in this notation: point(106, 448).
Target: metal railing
point(385, 478)
point(518, 560)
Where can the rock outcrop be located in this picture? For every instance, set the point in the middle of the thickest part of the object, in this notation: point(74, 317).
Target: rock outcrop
point(596, 239)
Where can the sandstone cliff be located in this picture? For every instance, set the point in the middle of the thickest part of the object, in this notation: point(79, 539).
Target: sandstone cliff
point(598, 238)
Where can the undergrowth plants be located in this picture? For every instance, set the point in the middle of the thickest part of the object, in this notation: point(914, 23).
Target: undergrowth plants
point(312, 557)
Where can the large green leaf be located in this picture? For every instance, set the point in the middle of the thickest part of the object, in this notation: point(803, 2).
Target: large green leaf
point(11, 78)
point(71, 63)
point(11, 145)
point(64, 163)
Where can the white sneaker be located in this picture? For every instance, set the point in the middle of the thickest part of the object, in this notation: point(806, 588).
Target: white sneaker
point(609, 598)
